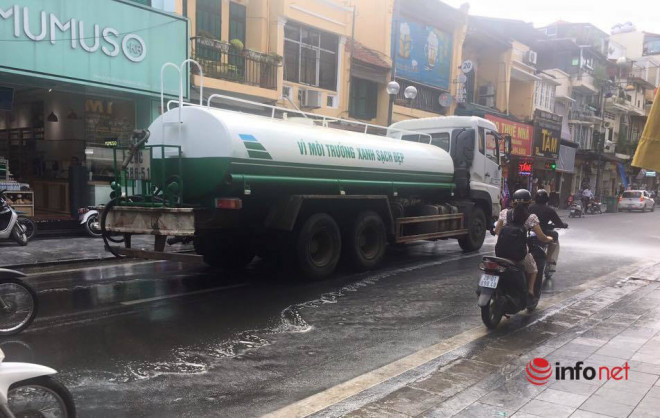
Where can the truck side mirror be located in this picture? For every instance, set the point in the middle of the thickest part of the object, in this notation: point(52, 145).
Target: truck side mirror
point(465, 146)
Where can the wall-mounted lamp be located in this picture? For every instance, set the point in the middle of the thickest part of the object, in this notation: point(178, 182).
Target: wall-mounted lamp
point(52, 117)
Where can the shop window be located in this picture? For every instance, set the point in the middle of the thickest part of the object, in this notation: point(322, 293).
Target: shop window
point(237, 21)
point(363, 99)
point(310, 56)
point(209, 19)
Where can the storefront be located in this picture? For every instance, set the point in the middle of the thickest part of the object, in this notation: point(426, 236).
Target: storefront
point(547, 134)
point(517, 173)
point(77, 77)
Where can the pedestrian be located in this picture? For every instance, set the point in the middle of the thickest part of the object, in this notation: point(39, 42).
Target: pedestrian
point(587, 195)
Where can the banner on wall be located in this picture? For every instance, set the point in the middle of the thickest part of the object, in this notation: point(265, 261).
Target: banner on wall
point(423, 53)
point(521, 135)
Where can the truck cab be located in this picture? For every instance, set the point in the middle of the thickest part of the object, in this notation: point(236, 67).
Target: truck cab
point(483, 164)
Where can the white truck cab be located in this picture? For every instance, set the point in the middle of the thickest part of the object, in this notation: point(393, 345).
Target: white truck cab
point(485, 176)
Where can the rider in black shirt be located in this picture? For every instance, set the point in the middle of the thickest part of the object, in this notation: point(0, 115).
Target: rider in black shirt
point(546, 215)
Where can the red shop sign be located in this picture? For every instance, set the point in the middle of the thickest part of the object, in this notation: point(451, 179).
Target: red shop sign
point(525, 168)
point(521, 134)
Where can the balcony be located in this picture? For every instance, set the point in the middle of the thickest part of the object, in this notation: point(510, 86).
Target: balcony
point(582, 115)
point(220, 60)
point(584, 83)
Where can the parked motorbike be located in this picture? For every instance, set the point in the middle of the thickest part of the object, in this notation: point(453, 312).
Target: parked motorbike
point(575, 210)
point(503, 285)
point(28, 224)
point(29, 390)
point(9, 225)
point(18, 303)
point(89, 218)
point(594, 207)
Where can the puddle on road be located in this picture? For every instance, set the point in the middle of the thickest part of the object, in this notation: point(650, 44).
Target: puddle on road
point(199, 359)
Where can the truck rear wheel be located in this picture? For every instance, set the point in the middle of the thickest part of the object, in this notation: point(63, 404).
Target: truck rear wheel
point(476, 231)
point(318, 246)
point(365, 241)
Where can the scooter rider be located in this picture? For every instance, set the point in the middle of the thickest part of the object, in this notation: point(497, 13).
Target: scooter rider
point(520, 200)
point(546, 214)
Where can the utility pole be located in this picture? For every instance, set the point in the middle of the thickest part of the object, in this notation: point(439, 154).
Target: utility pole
point(600, 144)
point(393, 52)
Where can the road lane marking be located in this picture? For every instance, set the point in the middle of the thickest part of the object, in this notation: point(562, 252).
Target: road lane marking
point(352, 387)
point(196, 292)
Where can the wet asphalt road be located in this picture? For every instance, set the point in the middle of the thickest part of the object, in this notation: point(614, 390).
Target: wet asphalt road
point(165, 339)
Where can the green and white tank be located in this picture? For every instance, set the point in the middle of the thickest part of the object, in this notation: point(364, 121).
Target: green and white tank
point(232, 154)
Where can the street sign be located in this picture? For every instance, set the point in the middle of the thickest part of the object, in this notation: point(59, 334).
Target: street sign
point(467, 66)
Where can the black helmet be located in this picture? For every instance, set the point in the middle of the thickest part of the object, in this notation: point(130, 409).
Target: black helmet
point(521, 196)
point(542, 197)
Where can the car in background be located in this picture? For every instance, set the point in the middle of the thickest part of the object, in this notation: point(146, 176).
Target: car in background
point(636, 200)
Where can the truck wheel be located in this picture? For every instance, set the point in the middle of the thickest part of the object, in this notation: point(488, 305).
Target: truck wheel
point(365, 241)
point(318, 246)
point(476, 231)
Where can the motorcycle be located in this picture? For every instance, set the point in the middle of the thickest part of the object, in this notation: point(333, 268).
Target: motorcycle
point(10, 227)
point(502, 287)
point(18, 303)
point(89, 218)
point(575, 210)
point(29, 390)
point(594, 207)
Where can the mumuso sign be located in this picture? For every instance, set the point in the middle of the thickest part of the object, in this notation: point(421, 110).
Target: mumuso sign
point(90, 37)
point(101, 42)
point(547, 134)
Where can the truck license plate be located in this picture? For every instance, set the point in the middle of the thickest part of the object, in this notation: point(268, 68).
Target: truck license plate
point(489, 280)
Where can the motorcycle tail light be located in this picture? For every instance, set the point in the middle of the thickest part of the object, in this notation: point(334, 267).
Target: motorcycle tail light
point(82, 210)
point(490, 266)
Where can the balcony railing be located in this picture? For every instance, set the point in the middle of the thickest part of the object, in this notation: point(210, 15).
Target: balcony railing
point(222, 61)
point(583, 113)
point(427, 98)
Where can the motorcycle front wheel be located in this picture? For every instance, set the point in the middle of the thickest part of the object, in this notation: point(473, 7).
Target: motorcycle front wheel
point(490, 314)
point(18, 234)
point(41, 396)
point(18, 306)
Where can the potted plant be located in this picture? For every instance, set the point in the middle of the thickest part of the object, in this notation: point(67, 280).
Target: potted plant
point(274, 58)
point(237, 45)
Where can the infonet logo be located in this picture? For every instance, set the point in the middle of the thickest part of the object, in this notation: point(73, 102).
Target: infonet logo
point(539, 371)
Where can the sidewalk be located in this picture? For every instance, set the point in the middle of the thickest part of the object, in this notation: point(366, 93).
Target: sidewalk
point(615, 326)
point(67, 249)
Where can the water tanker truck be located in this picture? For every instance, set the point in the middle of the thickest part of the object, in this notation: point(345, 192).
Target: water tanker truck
point(301, 190)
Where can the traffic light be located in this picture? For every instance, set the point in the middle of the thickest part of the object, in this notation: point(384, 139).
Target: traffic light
point(551, 165)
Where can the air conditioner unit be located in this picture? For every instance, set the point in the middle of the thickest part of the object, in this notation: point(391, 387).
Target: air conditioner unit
point(311, 98)
point(530, 57)
point(487, 90)
point(488, 101)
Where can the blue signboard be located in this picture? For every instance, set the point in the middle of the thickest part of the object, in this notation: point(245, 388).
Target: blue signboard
point(422, 53)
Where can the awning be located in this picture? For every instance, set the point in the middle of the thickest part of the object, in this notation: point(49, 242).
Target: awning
point(369, 64)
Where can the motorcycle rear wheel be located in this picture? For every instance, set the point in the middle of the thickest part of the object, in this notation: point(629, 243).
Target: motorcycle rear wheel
point(40, 396)
point(29, 226)
point(490, 314)
point(18, 306)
